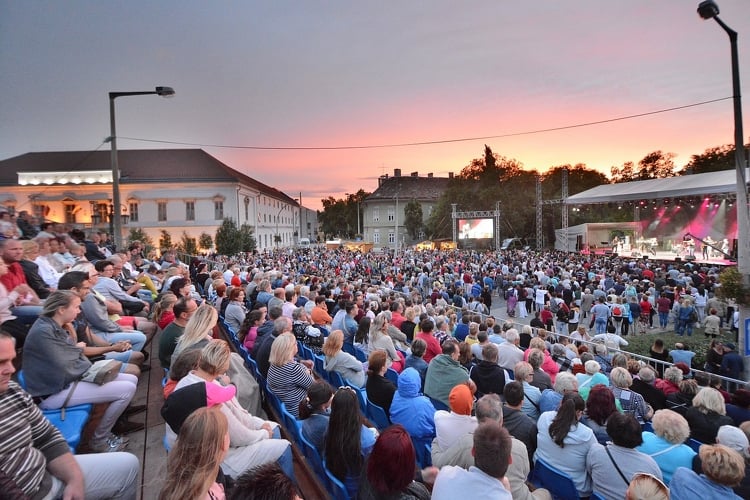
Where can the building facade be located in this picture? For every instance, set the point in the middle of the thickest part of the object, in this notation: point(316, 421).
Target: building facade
point(181, 191)
point(383, 210)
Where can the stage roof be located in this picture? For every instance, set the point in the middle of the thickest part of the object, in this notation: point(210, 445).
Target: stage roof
point(723, 182)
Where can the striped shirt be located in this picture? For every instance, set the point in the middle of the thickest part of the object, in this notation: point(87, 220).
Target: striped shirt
point(289, 382)
point(28, 441)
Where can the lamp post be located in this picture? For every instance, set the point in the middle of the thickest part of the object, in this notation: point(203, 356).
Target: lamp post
point(708, 9)
point(117, 222)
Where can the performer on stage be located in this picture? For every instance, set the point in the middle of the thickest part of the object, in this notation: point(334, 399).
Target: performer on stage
point(708, 243)
point(725, 246)
point(689, 245)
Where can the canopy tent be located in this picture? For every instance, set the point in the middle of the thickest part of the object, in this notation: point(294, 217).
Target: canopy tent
point(595, 235)
point(723, 182)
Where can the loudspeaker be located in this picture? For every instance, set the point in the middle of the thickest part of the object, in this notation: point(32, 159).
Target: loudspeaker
point(678, 259)
point(689, 258)
point(645, 257)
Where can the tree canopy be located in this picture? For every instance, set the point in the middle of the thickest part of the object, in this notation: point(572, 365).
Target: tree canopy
point(339, 215)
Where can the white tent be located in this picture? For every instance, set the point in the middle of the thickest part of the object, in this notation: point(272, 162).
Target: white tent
point(723, 182)
point(593, 235)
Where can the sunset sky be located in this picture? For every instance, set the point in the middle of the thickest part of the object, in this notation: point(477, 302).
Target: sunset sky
point(364, 73)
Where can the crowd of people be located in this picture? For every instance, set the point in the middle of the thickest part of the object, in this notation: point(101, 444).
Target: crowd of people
point(489, 395)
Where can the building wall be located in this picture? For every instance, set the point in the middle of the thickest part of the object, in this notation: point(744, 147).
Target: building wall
point(384, 220)
point(266, 214)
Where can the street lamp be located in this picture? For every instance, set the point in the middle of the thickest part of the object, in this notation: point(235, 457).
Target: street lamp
point(708, 9)
point(117, 225)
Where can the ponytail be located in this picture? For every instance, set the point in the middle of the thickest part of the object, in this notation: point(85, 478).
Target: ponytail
point(565, 418)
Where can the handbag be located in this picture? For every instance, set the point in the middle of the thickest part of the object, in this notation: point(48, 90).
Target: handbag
point(101, 372)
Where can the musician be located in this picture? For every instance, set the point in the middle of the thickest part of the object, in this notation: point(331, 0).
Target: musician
point(689, 245)
point(725, 246)
point(652, 246)
point(707, 247)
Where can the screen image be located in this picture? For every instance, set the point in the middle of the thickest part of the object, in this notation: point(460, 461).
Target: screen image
point(475, 229)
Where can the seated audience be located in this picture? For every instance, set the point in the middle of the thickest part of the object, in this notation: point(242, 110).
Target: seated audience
point(380, 390)
point(37, 462)
point(342, 362)
point(646, 487)
point(264, 482)
point(520, 425)
point(599, 407)
point(486, 478)
point(683, 400)
point(666, 443)
point(619, 455)
point(531, 395)
point(564, 443)
point(287, 378)
point(565, 383)
point(53, 367)
point(723, 469)
point(411, 409)
point(389, 470)
point(630, 402)
point(416, 359)
point(314, 411)
point(451, 425)
point(194, 464)
point(488, 376)
point(445, 372)
point(348, 441)
point(707, 414)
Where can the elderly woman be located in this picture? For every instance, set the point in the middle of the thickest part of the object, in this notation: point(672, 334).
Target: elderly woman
point(630, 401)
point(235, 312)
point(683, 399)
point(287, 378)
point(524, 373)
point(251, 439)
point(378, 338)
point(723, 468)
point(707, 414)
point(622, 455)
point(31, 269)
point(670, 384)
point(342, 362)
point(665, 444)
point(592, 377)
point(564, 443)
point(380, 390)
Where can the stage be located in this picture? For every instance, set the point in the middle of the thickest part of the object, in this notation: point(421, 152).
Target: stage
point(666, 256)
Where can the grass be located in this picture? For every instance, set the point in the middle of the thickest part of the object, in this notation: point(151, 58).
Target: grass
point(697, 343)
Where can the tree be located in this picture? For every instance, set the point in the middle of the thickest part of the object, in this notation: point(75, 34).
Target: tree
point(246, 238)
point(712, 160)
point(413, 218)
point(187, 244)
point(625, 173)
point(656, 165)
point(165, 241)
point(205, 241)
point(339, 215)
point(228, 237)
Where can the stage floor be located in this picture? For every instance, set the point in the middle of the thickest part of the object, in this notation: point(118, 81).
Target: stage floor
point(662, 255)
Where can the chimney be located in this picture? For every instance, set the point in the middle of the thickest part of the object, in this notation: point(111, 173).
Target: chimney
point(382, 179)
point(396, 172)
point(415, 174)
point(429, 176)
point(450, 175)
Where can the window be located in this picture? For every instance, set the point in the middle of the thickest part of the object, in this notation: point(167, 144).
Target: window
point(391, 238)
point(376, 237)
point(376, 215)
point(133, 209)
point(189, 210)
point(161, 208)
point(70, 214)
point(218, 210)
point(391, 215)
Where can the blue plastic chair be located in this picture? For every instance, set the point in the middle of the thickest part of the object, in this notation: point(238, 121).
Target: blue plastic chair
point(335, 487)
point(559, 484)
point(291, 424)
point(313, 458)
point(319, 362)
point(423, 450)
point(597, 496)
point(72, 427)
point(694, 444)
point(392, 375)
point(377, 416)
point(360, 355)
point(349, 349)
point(166, 377)
point(439, 405)
point(275, 402)
point(335, 379)
point(647, 427)
point(361, 396)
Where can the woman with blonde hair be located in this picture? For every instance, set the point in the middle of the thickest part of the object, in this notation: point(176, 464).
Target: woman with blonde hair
point(342, 362)
point(253, 441)
point(163, 313)
point(665, 443)
point(380, 340)
point(198, 330)
point(630, 401)
point(193, 467)
point(707, 414)
point(723, 468)
point(288, 378)
point(646, 487)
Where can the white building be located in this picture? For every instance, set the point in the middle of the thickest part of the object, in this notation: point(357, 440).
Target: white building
point(177, 190)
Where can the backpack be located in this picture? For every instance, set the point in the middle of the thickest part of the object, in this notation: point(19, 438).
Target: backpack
point(562, 314)
point(554, 306)
point(617, 311)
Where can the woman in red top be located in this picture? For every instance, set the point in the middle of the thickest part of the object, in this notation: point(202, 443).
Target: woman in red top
point(663, 306)
point(433, 346)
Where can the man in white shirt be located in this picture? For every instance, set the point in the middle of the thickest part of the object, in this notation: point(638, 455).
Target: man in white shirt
point(485, 479)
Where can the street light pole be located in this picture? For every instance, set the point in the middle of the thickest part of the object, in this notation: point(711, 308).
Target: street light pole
point(277, 237)
point(710, 10)
point(117, 213)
